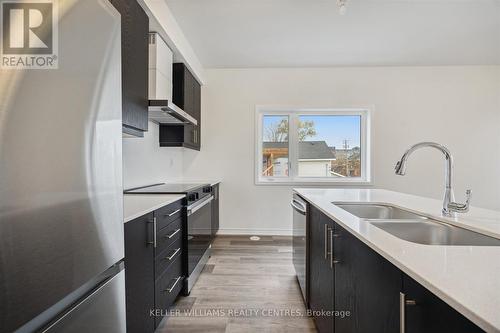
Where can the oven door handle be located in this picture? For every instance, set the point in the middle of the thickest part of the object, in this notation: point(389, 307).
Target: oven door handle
point(193, 208)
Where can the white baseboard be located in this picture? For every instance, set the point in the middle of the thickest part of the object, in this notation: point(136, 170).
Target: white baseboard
point(258, 232)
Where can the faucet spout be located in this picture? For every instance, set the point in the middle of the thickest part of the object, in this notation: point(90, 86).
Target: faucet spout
point(449, 196)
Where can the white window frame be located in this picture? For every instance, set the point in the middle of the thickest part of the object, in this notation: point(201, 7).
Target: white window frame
point(293, 178)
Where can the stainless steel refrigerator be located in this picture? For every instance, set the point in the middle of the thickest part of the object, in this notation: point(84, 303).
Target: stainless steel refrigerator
point(61, 214)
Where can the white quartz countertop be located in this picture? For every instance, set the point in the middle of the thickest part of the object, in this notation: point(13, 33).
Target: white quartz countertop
point(465, 277)
point(137, 205)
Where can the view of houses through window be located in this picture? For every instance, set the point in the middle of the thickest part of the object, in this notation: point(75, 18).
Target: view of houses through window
point(328, 146)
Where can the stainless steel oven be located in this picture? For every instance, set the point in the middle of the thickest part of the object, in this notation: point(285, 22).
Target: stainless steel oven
point(199, 237)
point(299, 243)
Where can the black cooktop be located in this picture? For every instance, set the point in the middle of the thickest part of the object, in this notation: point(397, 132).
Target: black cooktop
point(167, 188)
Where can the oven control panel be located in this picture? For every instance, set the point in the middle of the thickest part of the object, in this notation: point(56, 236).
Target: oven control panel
point(198, 194)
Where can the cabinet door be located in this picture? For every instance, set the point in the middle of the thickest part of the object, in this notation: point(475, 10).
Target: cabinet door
point(189, 84)
point(192, 103)
point(187, 96)
point(426, 313)
point(320, 271)
point(197, 113)
point(190, 136)
point(135, 32)
point(366, 285)
point(139, 274)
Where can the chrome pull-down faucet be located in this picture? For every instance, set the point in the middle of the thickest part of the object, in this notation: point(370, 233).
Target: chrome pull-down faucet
point(450, 207)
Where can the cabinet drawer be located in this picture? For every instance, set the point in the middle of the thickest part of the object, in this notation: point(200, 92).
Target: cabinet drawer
point(168, 256)
point(168, 214)
point(167, 235)
point(168, 286)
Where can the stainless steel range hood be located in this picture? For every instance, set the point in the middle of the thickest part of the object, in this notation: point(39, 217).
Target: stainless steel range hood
point(166, 112)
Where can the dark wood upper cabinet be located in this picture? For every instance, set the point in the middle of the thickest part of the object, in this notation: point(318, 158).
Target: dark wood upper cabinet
point(135, 32)
point(187, 96)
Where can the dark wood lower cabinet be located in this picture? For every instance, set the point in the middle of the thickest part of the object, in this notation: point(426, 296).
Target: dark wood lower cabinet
point(321, 275)
point(426, 313)
point(139, 274)
point(153, 267)
point(368, 287)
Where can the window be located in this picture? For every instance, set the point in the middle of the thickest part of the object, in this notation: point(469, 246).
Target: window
point(312, 146)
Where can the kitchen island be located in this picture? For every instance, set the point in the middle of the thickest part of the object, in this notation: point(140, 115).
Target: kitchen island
point(465, 277)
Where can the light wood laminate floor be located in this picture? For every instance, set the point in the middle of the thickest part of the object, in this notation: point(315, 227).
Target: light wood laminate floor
point(247, 286)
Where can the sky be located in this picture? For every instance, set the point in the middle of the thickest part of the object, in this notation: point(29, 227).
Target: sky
point(332, 129)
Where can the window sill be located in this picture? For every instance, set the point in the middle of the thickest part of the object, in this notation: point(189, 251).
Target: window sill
point(279, 182)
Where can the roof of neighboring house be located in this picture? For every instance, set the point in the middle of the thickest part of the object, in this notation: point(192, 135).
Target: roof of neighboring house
point(308, 150)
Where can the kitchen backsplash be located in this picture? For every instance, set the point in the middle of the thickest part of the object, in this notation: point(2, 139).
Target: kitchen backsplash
point(144, 162)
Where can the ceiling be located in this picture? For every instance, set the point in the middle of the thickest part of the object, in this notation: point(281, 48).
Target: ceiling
point(312, 33)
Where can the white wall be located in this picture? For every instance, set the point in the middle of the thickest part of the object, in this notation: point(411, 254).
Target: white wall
point(144, 162)
point(456, 106)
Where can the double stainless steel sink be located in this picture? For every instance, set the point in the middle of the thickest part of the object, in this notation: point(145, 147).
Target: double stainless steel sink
point(414, 227)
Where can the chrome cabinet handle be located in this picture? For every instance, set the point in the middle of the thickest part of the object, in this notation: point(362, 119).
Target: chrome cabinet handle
point(173, 286)
point(173, 254)
point(402, 318)
point(173, 213)
point(403, 302)
point(173, 234)
point(154, 242)
point(331, 245)
point(326, 241)
point(333, 261)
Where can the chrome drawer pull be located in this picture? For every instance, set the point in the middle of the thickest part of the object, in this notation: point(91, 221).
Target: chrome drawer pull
point(173, 254)
point(173, 234)
point(173, 286)
point(173, 213)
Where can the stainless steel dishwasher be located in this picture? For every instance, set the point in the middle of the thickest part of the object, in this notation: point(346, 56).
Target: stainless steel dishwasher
point(299, 241)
